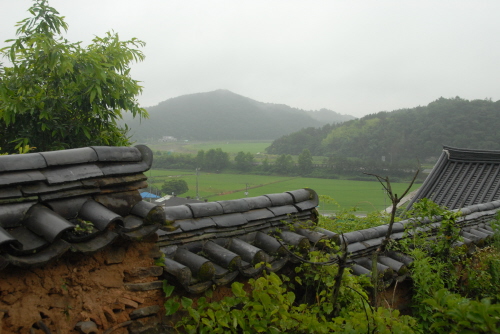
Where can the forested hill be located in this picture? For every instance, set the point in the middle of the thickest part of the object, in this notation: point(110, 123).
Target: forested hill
point(223, 115)
point(403, 134)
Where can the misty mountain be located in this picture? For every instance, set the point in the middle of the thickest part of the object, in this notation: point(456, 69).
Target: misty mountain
point(223, 115)
point(404, 134)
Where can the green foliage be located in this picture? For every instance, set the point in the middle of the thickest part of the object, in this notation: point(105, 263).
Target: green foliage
point(317, 282)
point(244, 161)
point(481, 274)
point(297, 142)
point(453, 313)
point(284, 164)
point(401, 135)
point(305, 164)
point(447, 233)
point(346, 220)
point(214, 160)
point(60, 94)
point(175, 186)
point(84, 226)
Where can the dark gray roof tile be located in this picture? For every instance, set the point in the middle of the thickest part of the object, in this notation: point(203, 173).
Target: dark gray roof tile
point(258, 202)
point(68, 193)
point(132, 223)
point(17, 162)
point(27, 241)
point(194, 224)
point(11, 215)
point(307, 205)
point(248, 253)
point(39, 258)
point(258, 214)
point(200, 267)
point(205, 209)
point(46, 223)
point(99, 215)
point(112, 153)
point(120, 168)
point(7, 239)
point(68, 208)
point(280, 199)
point(283, 210)
point(11, 178)
point(104, 182)
point(237, 205)
point(70, 157)
point(10, 192)
point(300, 195)
point(229, 220)
point(140, 233)
point(355, 236)
point(173, 213)
point(71, 173)
point(95, 244)
point(121, 203)
point(37, 188)
point(150, 212)
point(146, 155)
point(222, 256)
point(355, 247)
point(370, 233)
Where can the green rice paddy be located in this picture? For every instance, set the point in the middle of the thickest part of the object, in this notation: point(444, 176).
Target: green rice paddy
point(366, 196)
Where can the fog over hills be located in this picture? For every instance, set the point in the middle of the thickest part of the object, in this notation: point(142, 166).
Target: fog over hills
point(223, 115)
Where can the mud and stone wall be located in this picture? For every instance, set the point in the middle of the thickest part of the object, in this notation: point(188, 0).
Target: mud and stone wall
point(116, 290)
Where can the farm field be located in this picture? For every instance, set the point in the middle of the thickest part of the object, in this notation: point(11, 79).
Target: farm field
point(365, 195)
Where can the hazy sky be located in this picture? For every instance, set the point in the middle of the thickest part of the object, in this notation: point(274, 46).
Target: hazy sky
point(355, 57)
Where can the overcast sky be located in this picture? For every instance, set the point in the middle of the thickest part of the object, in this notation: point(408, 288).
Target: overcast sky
point(355, 57)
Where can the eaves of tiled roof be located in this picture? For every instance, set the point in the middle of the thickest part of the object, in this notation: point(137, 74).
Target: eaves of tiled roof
point(216, 242)
point(462, 177)
point(43, 195)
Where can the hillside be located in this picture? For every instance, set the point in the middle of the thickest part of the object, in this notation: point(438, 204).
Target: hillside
point(404, 134)
point(223, 115)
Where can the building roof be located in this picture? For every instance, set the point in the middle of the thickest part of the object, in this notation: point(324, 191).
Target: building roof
point(462, 177)
point(77, 199)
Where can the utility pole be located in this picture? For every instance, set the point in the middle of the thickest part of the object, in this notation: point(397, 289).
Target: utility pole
point(197, 193)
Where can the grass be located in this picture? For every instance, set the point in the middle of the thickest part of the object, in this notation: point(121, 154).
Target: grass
point(365, 195)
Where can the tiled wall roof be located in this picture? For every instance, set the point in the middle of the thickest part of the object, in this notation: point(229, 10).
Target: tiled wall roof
point(44, 195)
point(463, 177)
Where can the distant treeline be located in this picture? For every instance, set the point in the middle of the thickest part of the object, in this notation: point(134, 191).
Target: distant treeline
point(402, 136)
point(216, 160)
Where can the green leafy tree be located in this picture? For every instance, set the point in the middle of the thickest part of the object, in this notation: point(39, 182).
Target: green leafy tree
point(305, 162)
point(215, 160)
point(284, 164)
point(175, 186)
point(58, 94)
point(244, 161)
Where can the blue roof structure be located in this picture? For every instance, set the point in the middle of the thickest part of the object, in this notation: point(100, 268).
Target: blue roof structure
point(145, 194)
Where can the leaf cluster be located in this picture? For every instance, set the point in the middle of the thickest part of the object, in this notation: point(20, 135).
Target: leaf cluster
point(58, 94)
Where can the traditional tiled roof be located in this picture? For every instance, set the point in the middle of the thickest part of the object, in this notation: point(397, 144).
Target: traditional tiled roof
point(44, 196)
point(462, 177)
point(214, 242)
point(474, 224)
